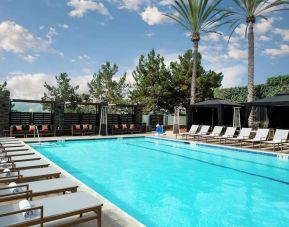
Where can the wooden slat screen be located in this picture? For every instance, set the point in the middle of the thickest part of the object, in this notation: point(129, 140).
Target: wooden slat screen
point(42, 118)
point(20, 118)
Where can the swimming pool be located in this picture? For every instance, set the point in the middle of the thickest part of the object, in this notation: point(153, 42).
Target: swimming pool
point(167, 183)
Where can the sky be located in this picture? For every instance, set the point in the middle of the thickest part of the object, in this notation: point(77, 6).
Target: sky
point(39, 39)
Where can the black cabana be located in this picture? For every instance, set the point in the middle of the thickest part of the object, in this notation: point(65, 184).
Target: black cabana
point(277, 108)
point(212, 112)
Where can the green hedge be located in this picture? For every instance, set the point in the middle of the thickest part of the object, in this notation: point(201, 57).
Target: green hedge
point(273, 86)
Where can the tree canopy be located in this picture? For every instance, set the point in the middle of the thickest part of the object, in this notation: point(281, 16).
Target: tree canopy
point(105, 88)
point(3, 89)
point(273, 86)
point(62, 92)
point(160, 87)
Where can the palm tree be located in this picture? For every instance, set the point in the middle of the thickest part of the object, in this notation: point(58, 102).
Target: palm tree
point(197, 16)
point(249, 11)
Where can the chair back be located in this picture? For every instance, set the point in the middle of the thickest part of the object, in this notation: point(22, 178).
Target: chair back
point(204, 129)
point(194, 129)
point(262, 134)
point(230, 132)
point(217, 130)
point(245, 133)
point(281, 135)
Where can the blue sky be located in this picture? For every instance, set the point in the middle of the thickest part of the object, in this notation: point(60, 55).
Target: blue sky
point(42, 38)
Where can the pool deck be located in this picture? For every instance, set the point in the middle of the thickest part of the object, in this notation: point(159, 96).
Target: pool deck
point(112, 216)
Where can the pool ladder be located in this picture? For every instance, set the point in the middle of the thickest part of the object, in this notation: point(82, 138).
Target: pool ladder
point(37, 133)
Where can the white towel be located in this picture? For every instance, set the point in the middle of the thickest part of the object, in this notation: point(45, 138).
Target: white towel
point(7, 172)
point(24, 204)
point(14, 190)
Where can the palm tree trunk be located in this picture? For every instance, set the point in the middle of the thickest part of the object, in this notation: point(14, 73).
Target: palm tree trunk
point(195, 69)
point(250, 96)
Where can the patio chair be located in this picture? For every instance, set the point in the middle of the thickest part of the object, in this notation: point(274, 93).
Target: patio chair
point(36, 188)
point(216, 132)
point(193, 130)
point(54, 208)
point(116, 129)
point(203, 131)
point(243, 135)
point(229, 133)
point(280, 137)
point(24, 165)
point(29, 175)
point(261, 135)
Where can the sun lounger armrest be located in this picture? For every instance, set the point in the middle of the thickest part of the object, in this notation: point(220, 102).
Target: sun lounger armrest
point(24, 210)
point(263, 138)
point(27, 192)
point(216, 134)
point(203, 133)
point(284, 140)
point(246, 137)
point(230, 136)
point(17, 186)
point(16, 171)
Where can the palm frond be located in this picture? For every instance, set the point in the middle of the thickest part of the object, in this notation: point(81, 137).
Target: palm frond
point(199, 15)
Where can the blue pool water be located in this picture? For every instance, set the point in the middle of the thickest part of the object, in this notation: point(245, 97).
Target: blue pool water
point(166, 183)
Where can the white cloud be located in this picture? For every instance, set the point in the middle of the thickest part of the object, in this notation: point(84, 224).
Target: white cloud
point(274, 52)
point(31, 86)
point(50, 34)
point(65, 26)
point(235, 51)
point(17, 39)
point(264, 38)
point(166, 2)
point(284, 33)
point(28, 86)
point(264, 25)
point(30, 58)
point(133, 5)
point(82, 6)
point(215, 37)
point(152, 16)
point(149, 33)
point(233, 75)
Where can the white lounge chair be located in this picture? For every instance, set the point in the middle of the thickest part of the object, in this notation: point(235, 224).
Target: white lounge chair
point(216, 132)
point(243, 135)
point(37, 188)
point(29, 175)
point(229, 133)
point(280, 137)
point(23, 158)
point(261, 135)
point(193, 130)
point(203, 131)
point(24, 165)
point(17, 153)
point(11, 149)
point(53, 209)
point(9, 145)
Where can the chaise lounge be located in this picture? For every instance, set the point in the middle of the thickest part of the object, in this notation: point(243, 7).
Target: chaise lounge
point(53, 209)
point(37, 188)
point(280, 137)
point(30, 174)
